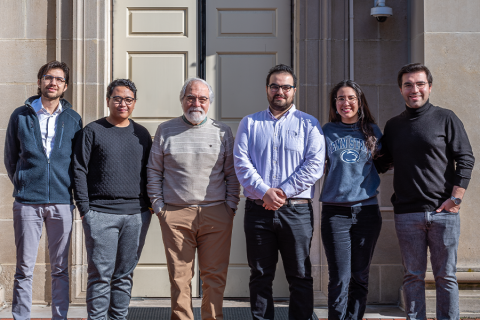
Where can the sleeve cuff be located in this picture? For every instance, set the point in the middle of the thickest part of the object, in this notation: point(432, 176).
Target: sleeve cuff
point(261, 190)
point(157, 206)
point(232, 205)
point(288, 190)
point(461, 182)
point(83, 208)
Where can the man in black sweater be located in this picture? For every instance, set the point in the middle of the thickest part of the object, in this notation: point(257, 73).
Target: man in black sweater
point(110, 160)
point(433, 163)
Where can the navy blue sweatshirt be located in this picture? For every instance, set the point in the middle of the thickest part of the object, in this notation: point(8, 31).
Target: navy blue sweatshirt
point(351, 177)
point(36, 178)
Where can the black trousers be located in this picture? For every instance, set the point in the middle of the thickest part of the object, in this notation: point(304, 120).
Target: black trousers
point(349, 235)
point(288, 230)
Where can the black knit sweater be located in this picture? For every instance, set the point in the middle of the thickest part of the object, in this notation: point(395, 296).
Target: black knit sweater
point(430, 152)
point(110, 168)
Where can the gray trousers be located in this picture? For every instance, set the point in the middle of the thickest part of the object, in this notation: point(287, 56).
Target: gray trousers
point(114, 244)
point(28, 220)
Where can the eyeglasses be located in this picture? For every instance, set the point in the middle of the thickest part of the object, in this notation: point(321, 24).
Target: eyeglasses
point(409, 86)
point(192, 99)
point(48, 78)
point(118, 100)
point(350, 99)
point(275, 87)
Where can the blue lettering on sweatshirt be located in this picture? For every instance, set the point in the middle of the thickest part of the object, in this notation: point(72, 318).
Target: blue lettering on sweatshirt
point(352, 149)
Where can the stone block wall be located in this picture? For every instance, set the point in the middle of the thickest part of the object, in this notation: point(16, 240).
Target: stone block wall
point(27, 41)
point(323, 59)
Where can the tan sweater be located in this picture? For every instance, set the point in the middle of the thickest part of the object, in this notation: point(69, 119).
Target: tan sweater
point(192, 165)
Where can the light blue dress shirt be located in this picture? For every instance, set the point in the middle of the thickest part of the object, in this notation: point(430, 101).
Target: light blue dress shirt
point(286, 153)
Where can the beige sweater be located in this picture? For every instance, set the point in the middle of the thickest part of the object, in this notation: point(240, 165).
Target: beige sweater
point(192, 165)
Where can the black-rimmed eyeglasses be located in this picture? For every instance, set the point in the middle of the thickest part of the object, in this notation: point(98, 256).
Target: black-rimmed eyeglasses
point(275, 87)
point(118, 100)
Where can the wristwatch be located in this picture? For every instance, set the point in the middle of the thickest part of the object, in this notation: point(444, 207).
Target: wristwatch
point(457, 201)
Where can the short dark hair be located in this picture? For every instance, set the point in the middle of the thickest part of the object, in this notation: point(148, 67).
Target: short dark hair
point(414, 67)
point(121, 83)
point(282, 68)
point(54, 65)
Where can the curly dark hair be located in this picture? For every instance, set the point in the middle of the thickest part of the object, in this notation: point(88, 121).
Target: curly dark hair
point(54, 65)
point(282, 68)
point(121, 83)
point(365, 118)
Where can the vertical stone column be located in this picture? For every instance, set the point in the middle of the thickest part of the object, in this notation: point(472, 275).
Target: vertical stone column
point(27, 38)
point(322, 59)
point(91, 72)
point(446, 38)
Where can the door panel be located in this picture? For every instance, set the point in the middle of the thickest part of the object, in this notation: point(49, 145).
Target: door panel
point(155, 45)
point(244, 40)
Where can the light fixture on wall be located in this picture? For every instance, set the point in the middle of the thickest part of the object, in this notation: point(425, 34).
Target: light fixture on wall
point(380, 11)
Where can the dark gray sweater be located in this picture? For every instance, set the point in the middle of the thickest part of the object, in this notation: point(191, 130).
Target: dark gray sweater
point(110, 168)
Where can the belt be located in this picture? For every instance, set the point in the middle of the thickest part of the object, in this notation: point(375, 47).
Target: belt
point(290, 201)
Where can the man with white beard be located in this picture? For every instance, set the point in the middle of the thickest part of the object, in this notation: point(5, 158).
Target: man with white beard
point(195, 193)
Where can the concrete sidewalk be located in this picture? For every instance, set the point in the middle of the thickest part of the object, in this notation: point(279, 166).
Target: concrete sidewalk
point(80, 312)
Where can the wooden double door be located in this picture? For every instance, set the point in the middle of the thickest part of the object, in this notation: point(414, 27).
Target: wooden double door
point(158, 44)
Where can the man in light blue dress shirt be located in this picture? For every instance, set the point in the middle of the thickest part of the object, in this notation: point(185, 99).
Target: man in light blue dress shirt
point(279, 155)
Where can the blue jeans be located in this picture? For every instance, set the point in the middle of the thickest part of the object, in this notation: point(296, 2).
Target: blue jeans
point(288, 230)
point(349, 236)
point(440, 232)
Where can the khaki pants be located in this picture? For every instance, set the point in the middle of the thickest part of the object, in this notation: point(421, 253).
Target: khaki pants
point(209, 230)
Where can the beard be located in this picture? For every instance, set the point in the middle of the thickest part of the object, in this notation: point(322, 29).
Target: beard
point(195, 115)
point(281, 105)
point(51, 95)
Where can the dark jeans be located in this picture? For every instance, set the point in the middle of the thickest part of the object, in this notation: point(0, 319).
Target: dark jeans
point(349, 235)
point(288, 230)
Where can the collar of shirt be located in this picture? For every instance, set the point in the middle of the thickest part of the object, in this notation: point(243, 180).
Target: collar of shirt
point(39, 109)
point(290, 111)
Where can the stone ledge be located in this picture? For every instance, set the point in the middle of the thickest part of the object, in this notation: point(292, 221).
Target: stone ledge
point(469, 306)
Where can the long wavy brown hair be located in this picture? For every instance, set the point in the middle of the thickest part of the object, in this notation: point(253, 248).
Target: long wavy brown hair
point(365, 118)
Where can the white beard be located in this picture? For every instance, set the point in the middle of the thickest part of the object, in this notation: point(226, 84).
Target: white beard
point(195, 115)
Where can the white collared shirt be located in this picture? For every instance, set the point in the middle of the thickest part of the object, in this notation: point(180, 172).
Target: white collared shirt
point(48, 124)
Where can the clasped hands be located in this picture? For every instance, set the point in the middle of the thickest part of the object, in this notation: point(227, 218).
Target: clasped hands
point(274, 198)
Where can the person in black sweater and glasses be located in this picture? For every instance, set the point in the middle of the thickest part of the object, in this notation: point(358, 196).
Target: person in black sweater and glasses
point(433, 162)
point(110, 170)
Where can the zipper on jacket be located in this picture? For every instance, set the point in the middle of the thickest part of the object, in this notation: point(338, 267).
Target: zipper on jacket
point(61, 136)
point(48, 180)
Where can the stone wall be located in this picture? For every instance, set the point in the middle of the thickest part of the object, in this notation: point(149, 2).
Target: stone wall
point(323, 59)
point(27, 41)
point(445, 37)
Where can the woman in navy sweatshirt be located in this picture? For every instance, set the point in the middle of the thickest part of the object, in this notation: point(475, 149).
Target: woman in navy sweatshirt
point(351, 219)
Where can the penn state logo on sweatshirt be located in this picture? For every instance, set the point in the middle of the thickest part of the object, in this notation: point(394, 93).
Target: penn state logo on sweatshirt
point(351, 150)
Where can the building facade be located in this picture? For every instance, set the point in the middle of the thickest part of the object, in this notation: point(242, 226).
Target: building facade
point(160, 43)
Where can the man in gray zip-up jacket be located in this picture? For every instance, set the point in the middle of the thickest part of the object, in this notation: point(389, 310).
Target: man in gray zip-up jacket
point(37, 156)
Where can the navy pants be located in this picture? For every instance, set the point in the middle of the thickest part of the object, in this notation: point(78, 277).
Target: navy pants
point(288, 230)
point(349, 236)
